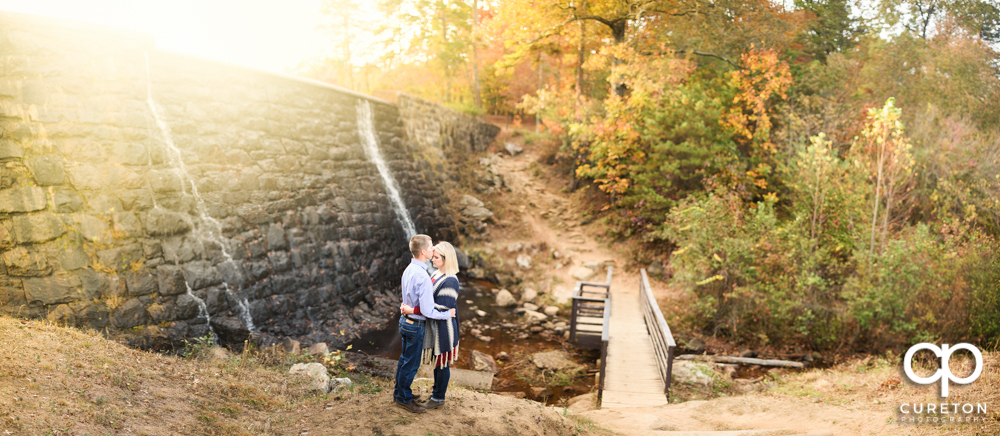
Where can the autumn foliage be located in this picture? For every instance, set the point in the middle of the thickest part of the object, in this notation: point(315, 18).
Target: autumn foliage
point(808, 176)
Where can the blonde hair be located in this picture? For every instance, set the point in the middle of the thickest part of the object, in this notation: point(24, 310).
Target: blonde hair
point(419, 243)
point(450, 266)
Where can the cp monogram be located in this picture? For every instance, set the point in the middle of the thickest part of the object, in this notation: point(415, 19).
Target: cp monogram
point(944, 373)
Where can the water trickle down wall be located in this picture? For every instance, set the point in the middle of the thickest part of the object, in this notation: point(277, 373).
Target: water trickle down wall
point(264, 205)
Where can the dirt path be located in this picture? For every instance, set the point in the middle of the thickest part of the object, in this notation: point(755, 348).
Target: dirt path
point(550, 215)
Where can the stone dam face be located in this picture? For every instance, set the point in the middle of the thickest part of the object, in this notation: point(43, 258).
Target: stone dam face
point(158, 197)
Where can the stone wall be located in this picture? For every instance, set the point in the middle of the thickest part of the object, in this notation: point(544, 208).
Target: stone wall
point(141, 190)
point(436, 128)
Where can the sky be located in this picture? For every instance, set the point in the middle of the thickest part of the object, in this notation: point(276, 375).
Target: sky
point(265, 34)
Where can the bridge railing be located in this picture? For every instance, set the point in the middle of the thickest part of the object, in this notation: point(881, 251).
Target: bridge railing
point(589, 309)
point(659, 332)
point(592, 308)
point(604, 345)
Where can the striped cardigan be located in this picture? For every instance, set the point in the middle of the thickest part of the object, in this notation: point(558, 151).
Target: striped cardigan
point(441, 338)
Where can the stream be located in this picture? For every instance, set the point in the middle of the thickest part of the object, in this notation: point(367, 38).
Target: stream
point(501, 334)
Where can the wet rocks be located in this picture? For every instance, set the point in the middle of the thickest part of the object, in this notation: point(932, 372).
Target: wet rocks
point(532, 316)
point(483, 362)
point(505, 299)
point(556, 360)
point(230, 330)
point(162, 222)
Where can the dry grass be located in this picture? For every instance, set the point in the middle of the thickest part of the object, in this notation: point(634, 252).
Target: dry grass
point(56, 380)
point(63, 381)
point(877, 386)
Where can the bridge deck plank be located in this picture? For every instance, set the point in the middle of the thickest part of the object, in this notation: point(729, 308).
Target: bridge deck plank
point(632, 376)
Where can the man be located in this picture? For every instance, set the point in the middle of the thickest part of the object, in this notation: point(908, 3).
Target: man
point(417, 291)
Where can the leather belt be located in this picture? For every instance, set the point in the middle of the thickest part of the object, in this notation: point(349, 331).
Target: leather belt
point(418, 321)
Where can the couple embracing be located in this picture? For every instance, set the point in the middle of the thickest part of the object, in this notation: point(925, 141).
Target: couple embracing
point(428, 326)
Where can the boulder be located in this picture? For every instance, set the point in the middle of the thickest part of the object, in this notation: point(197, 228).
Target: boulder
point(551, 310)
point(513, 149)
point(556, 360)
point(530, 306)
point(533, 316)
point(315, 372)
point(528, 295)
point(477, 213)
point(685, 371)
point(483, 362)
point(696, 346)
point(337, 384)
point(291, 345)
point(583, 273)
point(469, 201)
point(230, 330)
point(505, 299)
point(318, 349)
point(540, 393)
point(582, 403)
point(463, 259)
point(562, 294)
point(524, 261)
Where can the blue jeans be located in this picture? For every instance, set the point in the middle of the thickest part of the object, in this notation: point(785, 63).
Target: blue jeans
point(441, 377)
point(412, 339)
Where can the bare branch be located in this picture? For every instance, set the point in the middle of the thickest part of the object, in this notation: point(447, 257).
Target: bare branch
point(694, 52)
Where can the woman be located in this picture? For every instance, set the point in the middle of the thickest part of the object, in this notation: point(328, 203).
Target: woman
point(441, 340)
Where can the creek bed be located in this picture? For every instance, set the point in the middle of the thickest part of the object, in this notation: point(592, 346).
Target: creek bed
point(503, 329)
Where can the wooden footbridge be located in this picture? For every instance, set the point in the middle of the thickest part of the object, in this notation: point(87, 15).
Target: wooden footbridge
point(637, 348)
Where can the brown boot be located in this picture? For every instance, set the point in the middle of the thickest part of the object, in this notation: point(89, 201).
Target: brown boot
point(431, 404)
point(412, 407)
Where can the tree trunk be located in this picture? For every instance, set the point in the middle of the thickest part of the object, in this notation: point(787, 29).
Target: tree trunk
point(538, 114)
point(618, 32)
point(581, 55)
point(475, 56)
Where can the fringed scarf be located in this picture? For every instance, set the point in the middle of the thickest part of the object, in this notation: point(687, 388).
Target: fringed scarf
point(441, 337)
